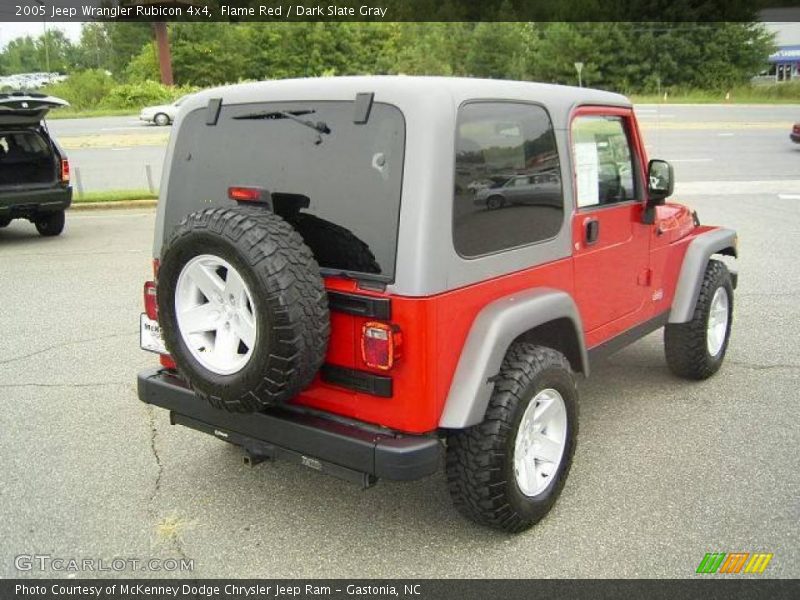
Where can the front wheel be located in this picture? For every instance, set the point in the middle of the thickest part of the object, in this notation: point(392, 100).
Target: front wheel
point(695, 350)
point(508, 471)
point(50, 224)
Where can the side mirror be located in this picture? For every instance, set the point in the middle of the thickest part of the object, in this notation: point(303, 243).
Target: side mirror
point(661, 182)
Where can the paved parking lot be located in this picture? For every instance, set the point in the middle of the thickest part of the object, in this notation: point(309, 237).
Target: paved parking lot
point(665, 470)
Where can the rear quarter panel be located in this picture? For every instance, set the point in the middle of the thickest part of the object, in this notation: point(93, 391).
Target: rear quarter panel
point(434, 331)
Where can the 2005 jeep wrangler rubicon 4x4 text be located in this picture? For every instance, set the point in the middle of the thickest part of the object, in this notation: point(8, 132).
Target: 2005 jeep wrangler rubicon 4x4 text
point(361, 274)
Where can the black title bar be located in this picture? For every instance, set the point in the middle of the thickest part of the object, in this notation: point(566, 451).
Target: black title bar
point(399, 10)
point(424, 589)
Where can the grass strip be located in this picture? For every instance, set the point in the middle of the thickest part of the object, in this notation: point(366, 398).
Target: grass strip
point(113, 196)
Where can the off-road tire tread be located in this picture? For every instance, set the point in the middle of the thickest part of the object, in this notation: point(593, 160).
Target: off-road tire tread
point(277, 256)
point(335, 245)
point(685, 343)
point(475, 456)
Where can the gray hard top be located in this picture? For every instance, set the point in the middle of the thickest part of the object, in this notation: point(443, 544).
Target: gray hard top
point(427, 262)
point(409, 92)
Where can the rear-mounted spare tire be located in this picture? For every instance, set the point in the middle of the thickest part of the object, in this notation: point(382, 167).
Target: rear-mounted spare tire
point(242, 307)
point(334, 246)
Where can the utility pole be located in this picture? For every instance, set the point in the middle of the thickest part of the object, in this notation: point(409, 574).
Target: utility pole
point(46, 41)
point(164, 55)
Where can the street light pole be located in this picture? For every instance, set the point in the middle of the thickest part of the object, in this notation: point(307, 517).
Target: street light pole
point(579, 69)
point(46, 42)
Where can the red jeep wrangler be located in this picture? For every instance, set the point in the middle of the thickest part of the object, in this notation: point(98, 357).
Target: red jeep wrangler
point(361, 273)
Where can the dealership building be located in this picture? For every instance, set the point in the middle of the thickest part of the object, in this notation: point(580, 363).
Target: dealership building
point(784, 63)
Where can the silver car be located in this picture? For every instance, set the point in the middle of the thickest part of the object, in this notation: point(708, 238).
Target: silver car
point(163, 114)
point(537, 188)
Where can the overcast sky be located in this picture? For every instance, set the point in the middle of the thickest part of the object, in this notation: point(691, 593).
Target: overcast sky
point(10, 31)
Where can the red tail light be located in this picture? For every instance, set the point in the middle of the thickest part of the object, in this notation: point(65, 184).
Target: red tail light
point(248, 194)
point(64, 170)
point(151, 309)
point(150, 305)
point(380, 345)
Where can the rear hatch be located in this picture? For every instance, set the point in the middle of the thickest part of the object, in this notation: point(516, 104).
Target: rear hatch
point(26, 108)
point(334, 171)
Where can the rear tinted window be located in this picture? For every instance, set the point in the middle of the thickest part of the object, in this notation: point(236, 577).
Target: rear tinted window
point(341, 189)
point(507, 179)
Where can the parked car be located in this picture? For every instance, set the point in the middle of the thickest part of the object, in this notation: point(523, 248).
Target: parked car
point(535, 188)
point(34, 170)
point(795, 134)
point(161, 115)
point(335, 298)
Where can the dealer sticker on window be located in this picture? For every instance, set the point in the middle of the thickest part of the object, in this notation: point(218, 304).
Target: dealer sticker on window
point(150, 335)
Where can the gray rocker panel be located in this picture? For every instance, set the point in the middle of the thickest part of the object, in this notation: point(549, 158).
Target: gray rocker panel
point(495, 328)
point(700, 250)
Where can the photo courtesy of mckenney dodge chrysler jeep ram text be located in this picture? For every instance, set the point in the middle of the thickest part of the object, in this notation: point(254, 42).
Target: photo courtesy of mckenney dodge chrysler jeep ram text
point(335, 287)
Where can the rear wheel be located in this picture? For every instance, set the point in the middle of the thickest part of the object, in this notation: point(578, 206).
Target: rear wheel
point(4, 222)
point(161, 120)
point(695, 350)
point(495, 202)
point(508, 471)
point(242, 307)
point(50, 224)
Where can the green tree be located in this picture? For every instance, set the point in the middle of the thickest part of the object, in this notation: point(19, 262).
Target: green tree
point(126, 41)
point(94, 51)
point(144, 66)
point(22, 56)
point(496, 50)
point(55, 49)
point(83, 89)
point(206, 54)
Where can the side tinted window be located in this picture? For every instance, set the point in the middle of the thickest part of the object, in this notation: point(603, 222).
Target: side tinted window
point(507, 180)
point(604, 166)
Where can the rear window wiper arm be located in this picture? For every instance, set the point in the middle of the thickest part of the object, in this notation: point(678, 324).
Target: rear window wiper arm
point(320, 126)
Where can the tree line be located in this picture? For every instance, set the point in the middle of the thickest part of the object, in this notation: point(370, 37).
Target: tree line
point(621, 56)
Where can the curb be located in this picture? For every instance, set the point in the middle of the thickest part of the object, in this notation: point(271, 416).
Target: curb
point(80, 206)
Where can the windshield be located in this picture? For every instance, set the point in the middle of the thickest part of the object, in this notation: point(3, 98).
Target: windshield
point(337, 182)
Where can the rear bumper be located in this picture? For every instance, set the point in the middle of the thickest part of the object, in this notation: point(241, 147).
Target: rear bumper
point(297, 435)
point(30, 202)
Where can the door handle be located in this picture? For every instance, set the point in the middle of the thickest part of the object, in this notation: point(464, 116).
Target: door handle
point(592, 231)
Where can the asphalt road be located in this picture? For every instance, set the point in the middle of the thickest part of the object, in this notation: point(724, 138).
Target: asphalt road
point(96, 125)
point(665, 470)
point(121, 167)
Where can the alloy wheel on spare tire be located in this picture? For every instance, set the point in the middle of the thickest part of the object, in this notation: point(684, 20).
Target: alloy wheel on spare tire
point(242, 307)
